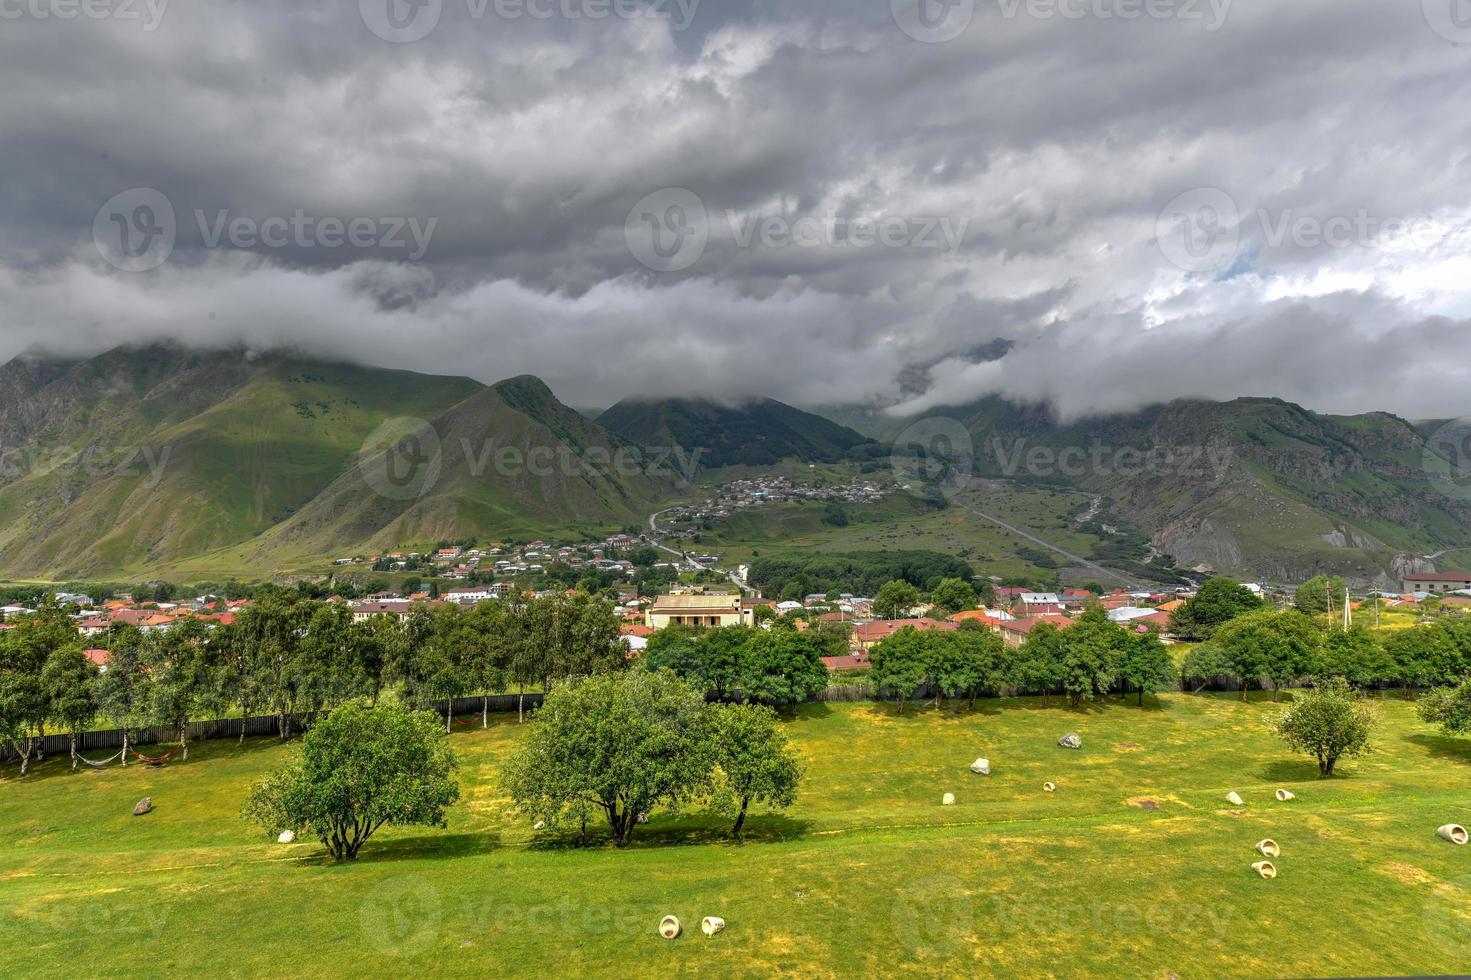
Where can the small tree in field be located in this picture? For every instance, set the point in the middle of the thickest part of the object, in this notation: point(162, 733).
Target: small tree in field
point(1448, 707)
point(754, 759)
point(360, 768)
point(620, 743)
point(1327, 722)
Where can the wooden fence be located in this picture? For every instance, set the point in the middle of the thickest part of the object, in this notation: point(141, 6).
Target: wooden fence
point(261, 725)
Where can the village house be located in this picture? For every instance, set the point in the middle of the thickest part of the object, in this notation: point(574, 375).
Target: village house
point(1437, 582)
point(698, 610)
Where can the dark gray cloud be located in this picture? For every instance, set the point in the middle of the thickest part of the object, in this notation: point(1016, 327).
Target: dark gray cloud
point(876, 208)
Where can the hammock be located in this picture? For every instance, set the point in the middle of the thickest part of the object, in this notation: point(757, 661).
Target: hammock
point(153, 762)
point(99, 765)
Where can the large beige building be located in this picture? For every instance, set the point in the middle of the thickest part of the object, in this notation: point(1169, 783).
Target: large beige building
point(697, 610)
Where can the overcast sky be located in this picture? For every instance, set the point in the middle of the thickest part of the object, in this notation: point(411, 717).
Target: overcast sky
point(829, 201)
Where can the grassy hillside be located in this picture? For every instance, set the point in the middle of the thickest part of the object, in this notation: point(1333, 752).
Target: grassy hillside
point(511, 461)
point(149, 457)
point(1254, 487)
point(1136, 866)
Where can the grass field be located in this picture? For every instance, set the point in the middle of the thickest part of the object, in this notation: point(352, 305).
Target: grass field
point(866, 873)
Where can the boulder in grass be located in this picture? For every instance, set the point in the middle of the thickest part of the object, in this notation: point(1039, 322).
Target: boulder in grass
point(287, 836)
point(981, 767)
point(948, 799)
point(143, 806)
point(1234, 798)
point(1072, 740)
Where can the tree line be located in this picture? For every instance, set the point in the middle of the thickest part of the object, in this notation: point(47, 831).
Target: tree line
point(1088, 658)
point(287, 656)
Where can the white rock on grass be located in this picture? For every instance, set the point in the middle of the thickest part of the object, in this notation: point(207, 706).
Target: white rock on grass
point(981, 767)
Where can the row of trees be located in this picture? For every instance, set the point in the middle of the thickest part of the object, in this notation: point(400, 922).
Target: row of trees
point(778, 665)
point(287, 656)
point(1088, 658)
point(1283, 647)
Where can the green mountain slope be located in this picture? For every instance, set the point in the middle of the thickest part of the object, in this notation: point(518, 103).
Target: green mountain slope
point(143, 457)
point(1254, 487)
point(510, 460)
point(759, 433)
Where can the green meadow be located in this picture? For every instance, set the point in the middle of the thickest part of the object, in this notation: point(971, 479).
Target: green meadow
point(1135, 866)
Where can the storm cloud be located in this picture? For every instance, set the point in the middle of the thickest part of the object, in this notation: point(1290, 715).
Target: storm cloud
point(825, 202)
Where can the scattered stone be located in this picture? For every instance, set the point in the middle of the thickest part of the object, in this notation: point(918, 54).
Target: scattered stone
point(539, 825)
point(981, 767)
point(145, 805)
point(711, 924)
point(287, 836)
point(1049, 787)
point(1234, 798)
point(948, 799)
point(1072, 740)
